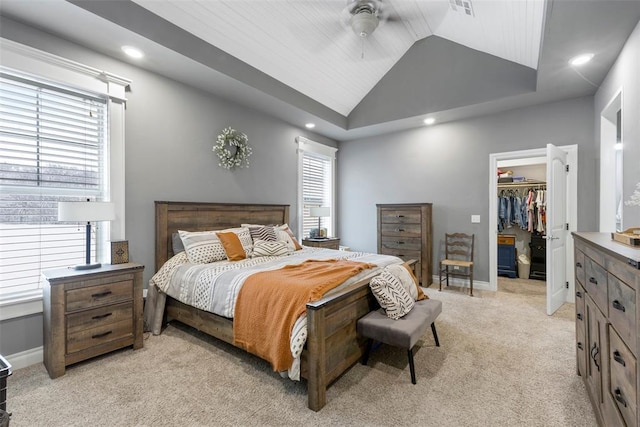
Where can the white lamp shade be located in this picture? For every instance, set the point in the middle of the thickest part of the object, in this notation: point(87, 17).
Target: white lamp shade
point(86, 211)
point(320, 211)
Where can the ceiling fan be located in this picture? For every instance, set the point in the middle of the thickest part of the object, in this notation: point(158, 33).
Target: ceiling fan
point(364, 16)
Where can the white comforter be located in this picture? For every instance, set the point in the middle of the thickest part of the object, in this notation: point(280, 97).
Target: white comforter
point(214, 287)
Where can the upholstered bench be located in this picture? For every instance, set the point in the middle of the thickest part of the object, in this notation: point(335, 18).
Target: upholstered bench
point(404, 332)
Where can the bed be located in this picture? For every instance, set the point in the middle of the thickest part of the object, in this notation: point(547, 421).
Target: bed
point(332, 345)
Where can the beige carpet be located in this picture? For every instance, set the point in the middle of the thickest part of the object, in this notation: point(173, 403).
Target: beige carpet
point(502, 362)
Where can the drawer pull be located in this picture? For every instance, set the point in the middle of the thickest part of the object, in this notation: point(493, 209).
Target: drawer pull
point(101, 316)
point(594, 353)
point(580, 346)
point(400, 255)
point(579, 264)
point(104, 334)
point(618, 358)
point(400, 242)
point(618, 395)
point(579, 316)
point(101, 294)
point(400, 229)
point(593, 280)
point(579, 294)
point(399, 216)
point(616, 304)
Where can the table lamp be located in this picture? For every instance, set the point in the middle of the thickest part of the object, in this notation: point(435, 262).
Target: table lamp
point(86, 211)
point(319, 211)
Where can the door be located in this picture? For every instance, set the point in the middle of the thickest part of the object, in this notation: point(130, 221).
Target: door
point(556, 217)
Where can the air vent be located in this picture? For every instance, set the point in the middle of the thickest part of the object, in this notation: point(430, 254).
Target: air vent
point(462, 6)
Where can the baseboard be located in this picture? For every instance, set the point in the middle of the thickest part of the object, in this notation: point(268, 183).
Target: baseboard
point(464, 283)
point(26, 358)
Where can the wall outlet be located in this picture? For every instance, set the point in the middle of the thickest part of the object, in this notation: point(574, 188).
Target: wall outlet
point(475, 219)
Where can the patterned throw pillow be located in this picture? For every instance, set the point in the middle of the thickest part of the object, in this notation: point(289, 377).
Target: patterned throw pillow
point(262, 232)
point(202, 247)
point(391, 295)
point(265, 248)
point(408, 280)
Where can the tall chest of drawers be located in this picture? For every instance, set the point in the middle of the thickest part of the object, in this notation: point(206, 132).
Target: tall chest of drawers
point(90, 312)
point(607, 317)
point(405, 230)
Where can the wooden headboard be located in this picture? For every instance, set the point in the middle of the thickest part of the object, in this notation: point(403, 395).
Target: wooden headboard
point(195, 216)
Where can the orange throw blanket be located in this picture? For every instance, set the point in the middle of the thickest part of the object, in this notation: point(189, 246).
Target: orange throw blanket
point(270, 302)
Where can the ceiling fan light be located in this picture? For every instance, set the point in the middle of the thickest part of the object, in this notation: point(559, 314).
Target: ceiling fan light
point(364, 23)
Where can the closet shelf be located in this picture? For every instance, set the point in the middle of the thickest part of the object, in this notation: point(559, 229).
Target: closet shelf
point(530, 183)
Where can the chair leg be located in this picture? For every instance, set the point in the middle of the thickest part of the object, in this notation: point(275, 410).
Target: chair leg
point(440, 276)
point(365, 356)
point(447, 274)
point(435, 334)
point(411, 366)
point(471, 281)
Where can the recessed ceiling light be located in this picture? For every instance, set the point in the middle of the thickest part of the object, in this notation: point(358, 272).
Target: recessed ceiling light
point(579, 60)
point(429, 121)
point(310, 125)
point(132, 52)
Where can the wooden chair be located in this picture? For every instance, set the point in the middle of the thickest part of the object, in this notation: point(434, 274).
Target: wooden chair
point(458, 259)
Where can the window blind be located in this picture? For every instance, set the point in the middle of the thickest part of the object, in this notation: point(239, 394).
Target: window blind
point(52, 148)
point(317, 184)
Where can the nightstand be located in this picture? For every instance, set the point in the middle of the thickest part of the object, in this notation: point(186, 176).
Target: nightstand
point(328, 243)
point(87, 313)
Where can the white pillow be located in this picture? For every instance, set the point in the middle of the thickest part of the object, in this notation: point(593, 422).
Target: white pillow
point(283, 236)
point(403, 275)
point(204, 247)
point(391, 295)
point(267, 248)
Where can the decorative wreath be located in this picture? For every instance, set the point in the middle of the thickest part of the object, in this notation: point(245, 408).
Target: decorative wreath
point(232, 149)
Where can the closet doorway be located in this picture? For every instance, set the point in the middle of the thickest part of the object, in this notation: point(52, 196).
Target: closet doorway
point(552, 266)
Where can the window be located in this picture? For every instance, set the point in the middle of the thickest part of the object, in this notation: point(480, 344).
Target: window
point(53, 145)
point(316, 185)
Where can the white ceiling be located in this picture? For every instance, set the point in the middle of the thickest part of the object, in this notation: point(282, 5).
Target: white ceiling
point(307, 45)
point(295, 61)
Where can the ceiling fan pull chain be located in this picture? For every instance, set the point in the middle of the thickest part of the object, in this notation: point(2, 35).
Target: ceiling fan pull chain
point(362, 41)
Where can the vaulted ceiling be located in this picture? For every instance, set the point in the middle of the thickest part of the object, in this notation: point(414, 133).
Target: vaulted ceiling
point(300, 60)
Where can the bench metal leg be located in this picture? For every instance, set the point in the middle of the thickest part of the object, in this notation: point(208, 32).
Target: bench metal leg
point(365, 356)
point(411, 366)
point(435, 334)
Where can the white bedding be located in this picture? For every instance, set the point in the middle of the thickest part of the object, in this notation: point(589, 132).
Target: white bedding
point(214, 287)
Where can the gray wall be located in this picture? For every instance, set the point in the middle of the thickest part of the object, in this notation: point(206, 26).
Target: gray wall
point(448, 165)
point(625, 74)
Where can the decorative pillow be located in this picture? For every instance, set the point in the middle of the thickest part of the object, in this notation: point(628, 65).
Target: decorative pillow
point(245, 238)
point(232, 246)
point(391, 295)
point(266, 248)
point(292, 238)
point(202, 247)
point(408, 281)
point(262, 232)
point(176, 244)
point(421, 294)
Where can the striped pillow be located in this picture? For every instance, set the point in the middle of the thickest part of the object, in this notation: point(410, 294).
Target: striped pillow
point(265, 248)
point(392, 296)
point(263, 232)
point(202, 247)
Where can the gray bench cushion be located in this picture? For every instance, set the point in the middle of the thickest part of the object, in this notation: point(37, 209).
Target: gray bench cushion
point(404, 332)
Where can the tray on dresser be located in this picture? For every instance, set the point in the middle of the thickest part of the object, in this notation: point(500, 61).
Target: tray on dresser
point(630, 236)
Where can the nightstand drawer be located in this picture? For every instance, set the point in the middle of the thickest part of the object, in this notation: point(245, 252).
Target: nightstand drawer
point(83, 320)
point(92, 337)
point(95, 296)
point(399, 216)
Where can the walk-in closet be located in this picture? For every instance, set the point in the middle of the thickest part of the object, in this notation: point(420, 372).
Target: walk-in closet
point(522, 192)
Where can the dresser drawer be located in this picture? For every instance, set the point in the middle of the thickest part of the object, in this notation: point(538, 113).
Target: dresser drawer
point(404, 230)
point(596, 284)
point(622, 310)
point(400, 216)
point(579, 260)
point(581, 343)
point(95, 296)
point(623, 377)
point(401, 253)
point(402, 243)
point(100, 316)
point(506, 240)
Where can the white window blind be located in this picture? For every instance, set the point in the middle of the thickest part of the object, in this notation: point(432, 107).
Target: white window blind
point(316, 184)
point(52, 148)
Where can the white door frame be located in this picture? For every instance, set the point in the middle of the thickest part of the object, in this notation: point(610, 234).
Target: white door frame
point(572, 207)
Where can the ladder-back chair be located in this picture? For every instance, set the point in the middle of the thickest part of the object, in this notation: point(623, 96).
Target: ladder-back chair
point(458, 259)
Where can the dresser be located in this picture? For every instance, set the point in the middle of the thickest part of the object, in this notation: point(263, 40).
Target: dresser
point(328, 243)
point(607, 346)
point(90, 312)
point(507, 255)
point(405, 230)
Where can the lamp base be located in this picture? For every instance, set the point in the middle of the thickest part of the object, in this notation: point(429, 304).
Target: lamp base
point(86, 266)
